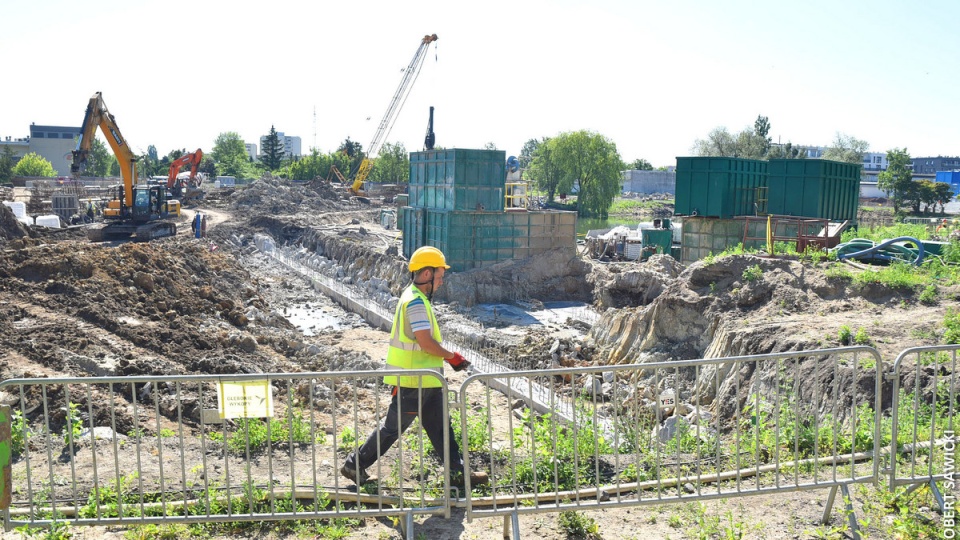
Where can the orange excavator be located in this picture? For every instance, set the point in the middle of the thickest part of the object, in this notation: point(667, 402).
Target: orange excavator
point(188, 189)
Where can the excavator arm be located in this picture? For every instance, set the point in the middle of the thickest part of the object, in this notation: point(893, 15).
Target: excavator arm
point(187, 159)
point(96, 116)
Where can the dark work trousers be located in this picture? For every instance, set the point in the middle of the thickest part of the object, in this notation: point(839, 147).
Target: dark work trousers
point(404, 407)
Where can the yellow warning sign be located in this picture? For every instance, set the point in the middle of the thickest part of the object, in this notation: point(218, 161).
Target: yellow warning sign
point(245, 399)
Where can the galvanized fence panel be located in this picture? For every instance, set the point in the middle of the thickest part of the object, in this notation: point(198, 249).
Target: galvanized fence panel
point(153, 449)
point(672, 431)
point(924, 416)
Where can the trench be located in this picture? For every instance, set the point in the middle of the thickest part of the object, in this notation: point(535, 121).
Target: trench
point(372, 309)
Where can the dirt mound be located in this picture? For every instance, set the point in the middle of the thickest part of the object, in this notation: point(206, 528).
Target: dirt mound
point(10, 226)
point(273, 196)
point(743, 305)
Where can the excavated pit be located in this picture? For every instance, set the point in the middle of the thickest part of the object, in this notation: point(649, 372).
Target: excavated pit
point(180, 305)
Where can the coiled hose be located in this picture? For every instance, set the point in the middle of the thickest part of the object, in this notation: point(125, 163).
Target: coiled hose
point(862, 249)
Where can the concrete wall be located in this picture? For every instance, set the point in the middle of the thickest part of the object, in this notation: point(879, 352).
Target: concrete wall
point(648, 182)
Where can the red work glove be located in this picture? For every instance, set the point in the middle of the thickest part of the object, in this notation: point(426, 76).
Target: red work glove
point(458, 362)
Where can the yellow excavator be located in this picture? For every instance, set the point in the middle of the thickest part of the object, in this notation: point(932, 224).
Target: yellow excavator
point(138, 210)
point(386, 124)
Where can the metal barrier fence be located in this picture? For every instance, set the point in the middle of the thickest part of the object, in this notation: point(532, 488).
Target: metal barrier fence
point(678, 431)
point(923, 417)
point(139, 450)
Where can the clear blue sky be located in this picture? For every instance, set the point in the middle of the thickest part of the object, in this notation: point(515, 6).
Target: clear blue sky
point(651, 76)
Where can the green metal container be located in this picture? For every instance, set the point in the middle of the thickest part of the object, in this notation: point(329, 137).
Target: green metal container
point(459, 166)
point(661, 239)
point(813, 188)
point(458, 179)
point(478, 239)
point(719, 187)
point(413, 225)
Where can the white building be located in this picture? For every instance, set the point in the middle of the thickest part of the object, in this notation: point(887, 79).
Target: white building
point(875, 161)
point(291, 144)
point(251, 151)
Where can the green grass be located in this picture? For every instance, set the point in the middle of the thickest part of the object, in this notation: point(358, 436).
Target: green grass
point(877, 234)
point(630, 206)
point(258, 434)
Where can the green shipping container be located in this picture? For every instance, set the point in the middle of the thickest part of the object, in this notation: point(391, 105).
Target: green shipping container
point(478, 239)
point(460, 167)
point(813, 188)
point(719, 187)
point(413, 226)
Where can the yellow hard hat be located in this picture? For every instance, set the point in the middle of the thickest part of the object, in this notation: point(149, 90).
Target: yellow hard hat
point(427, 256)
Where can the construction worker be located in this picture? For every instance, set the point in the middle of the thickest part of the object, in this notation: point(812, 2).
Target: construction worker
point(415, 343)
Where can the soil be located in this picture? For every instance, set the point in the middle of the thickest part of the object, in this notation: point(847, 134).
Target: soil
point(217, 305)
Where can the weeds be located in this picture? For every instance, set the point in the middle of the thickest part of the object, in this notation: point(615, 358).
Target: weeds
point(929, 296)
point(753, 273)
point(258, 434)
point(74, 426)
point(578, 524)
point(19, 433)
point(861, 337)
point(951, 321)
point(844, 335)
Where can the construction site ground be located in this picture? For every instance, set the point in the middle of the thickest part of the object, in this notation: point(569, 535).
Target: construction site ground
point(218, 305)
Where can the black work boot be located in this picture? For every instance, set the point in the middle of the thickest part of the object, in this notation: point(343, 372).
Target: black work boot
point(355, 474)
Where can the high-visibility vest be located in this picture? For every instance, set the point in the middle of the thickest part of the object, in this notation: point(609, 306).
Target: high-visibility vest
point(405, 353)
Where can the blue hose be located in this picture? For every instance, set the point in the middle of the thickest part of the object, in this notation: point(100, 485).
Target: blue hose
point(862, 249)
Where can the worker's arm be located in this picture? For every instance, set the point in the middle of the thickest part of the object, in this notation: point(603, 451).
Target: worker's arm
point(430, 345)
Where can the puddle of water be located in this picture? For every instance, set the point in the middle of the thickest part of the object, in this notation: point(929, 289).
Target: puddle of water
point(552, 312)
point(311, 320)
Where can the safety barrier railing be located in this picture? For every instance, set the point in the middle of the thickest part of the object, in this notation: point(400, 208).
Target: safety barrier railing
point(924, 416)
point(684, 430)
point(206, 448)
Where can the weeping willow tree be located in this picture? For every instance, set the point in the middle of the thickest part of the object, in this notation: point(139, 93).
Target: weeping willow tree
point(582, 159)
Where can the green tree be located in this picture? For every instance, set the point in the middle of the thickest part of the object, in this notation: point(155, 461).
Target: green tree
point(786, 151)
point(898, 178)
point(545, 171)
point(392, 166)
point(314, 165)
point(847, 148)
point(350, 156)
point(592, 160)
point(640, 165)
point(271, 154)
point(944, 194)
point(527, 152)
point(721, 143)
point(6, 164)
point(100, 159)
point(490, 146)
point(230, 155)
point(750, 143)
point(33, 164)
point(925, 193)
point(761, 128)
